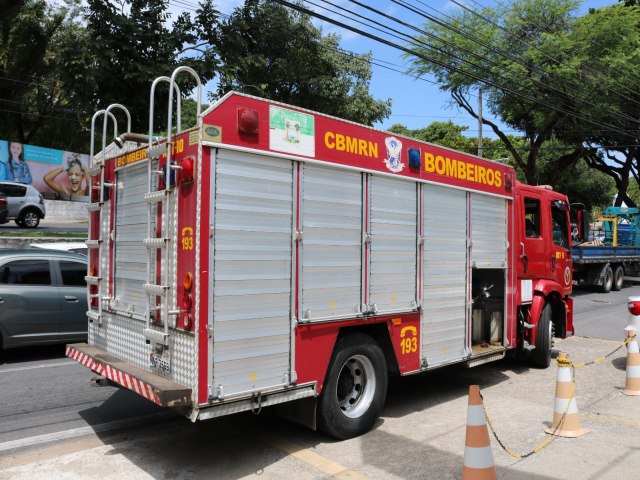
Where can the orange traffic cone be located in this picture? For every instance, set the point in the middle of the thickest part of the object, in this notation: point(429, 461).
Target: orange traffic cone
point(478, 457)
point(632, 384)
point(565, 424)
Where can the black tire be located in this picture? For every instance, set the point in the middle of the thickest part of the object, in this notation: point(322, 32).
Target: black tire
point(541, 355)
point(18, 222)
point(607, 281)
point(355, 388)
point(29, 219)
point(618, 278)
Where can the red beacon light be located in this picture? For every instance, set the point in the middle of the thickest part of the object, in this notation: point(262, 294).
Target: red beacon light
point(186, 169)
point(248, 121)
point(634, 306)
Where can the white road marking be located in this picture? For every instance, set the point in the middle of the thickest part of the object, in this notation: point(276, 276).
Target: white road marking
point(34, 367)
point(78, 432)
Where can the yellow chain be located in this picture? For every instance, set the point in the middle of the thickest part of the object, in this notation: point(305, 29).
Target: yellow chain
point(550, 436)
point(562, 362)
point(601, 359)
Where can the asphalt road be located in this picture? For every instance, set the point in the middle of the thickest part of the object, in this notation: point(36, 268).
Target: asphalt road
point(54, 424)
point(603, 315)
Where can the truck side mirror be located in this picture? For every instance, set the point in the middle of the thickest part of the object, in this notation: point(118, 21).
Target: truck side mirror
point(582, 221)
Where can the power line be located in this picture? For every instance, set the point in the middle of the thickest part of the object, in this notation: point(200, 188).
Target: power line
point(441, 63)
point(545, 83)
point(519, 40)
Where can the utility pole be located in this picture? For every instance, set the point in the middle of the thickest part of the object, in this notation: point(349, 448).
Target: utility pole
point(480, 122)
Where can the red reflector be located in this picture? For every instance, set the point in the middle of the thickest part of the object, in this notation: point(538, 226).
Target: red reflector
point(186, 173)
point(187, 301)
point(508, 181)
point(248, 121)
point(634, 307)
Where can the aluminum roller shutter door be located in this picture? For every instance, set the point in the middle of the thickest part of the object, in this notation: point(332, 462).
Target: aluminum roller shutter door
point(488, 231)
point(331, 274)
point(130, 254)
point(444, 302)
point(252, 272)
point(393, 228)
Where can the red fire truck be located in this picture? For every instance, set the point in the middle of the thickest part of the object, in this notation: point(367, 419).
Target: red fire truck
point(278, 256)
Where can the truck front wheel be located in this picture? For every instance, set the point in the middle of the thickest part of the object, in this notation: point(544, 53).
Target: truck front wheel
point(607, 281)
point(618, 278)
point(355, 388)
point(541, 355)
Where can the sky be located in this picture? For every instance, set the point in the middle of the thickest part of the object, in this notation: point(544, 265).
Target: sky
point(415, 102)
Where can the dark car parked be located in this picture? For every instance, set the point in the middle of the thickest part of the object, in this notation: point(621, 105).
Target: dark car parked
point(43, 297)
point(25, 204)
point(4, 208)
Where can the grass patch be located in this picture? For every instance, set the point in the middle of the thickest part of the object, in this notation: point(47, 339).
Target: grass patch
point(30, 234)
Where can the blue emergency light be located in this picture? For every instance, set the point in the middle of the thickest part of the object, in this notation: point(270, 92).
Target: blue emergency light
point(414, 157)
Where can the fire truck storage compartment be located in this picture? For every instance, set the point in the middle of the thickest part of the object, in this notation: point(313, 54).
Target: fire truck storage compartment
point(331, 247)
point(393, 226)
point(130, 254)
point(487, 310)
point(252, 216)
point(444, 279)
point(489, 247)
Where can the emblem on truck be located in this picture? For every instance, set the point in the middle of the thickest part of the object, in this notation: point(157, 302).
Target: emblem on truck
point(394, 150)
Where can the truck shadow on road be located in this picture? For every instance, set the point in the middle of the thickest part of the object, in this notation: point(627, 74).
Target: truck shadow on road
point(32, 354)
point(264, 446)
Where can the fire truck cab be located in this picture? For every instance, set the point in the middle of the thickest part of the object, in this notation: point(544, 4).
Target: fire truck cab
point(277, 256)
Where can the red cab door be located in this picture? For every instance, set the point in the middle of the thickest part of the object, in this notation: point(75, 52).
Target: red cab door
point(559, 262)
point(533, 240)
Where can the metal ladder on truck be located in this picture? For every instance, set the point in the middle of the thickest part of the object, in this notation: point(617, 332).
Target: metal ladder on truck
point(164, 199)
point(96, 275)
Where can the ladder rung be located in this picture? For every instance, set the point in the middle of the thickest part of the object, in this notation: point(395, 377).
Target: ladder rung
point(95, 170)
point(157, 289)
point(93, 243)
point(156, 151)
point(155, 197)
point(155, 242)
point(94, 207)
point(93, 280)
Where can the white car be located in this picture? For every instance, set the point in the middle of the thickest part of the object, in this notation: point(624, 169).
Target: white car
point(76, 247)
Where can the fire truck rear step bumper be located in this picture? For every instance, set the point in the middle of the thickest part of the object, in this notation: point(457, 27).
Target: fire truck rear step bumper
point(159, 390)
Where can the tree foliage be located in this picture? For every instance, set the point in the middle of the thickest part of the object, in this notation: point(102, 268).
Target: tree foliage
point(273, 52)
point(537, 75)
point(131, 43)
point(606, 43)
point(35, 102)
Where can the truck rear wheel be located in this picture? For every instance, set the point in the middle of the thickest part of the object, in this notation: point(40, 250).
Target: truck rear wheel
point(618, 278)
point(541, 355)
point(607, 281)
point(355, 388)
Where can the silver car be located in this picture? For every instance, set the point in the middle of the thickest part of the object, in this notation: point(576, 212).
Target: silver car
point(25, 204)
point(43, 297)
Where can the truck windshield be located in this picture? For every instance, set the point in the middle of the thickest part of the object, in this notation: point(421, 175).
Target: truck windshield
point(559, 225)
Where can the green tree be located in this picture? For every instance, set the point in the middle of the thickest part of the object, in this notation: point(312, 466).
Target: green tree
point(34, 99)
point(445, 134)
point(607, 41)
point(130, 43)
point(510, 59)
point(267, 50)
